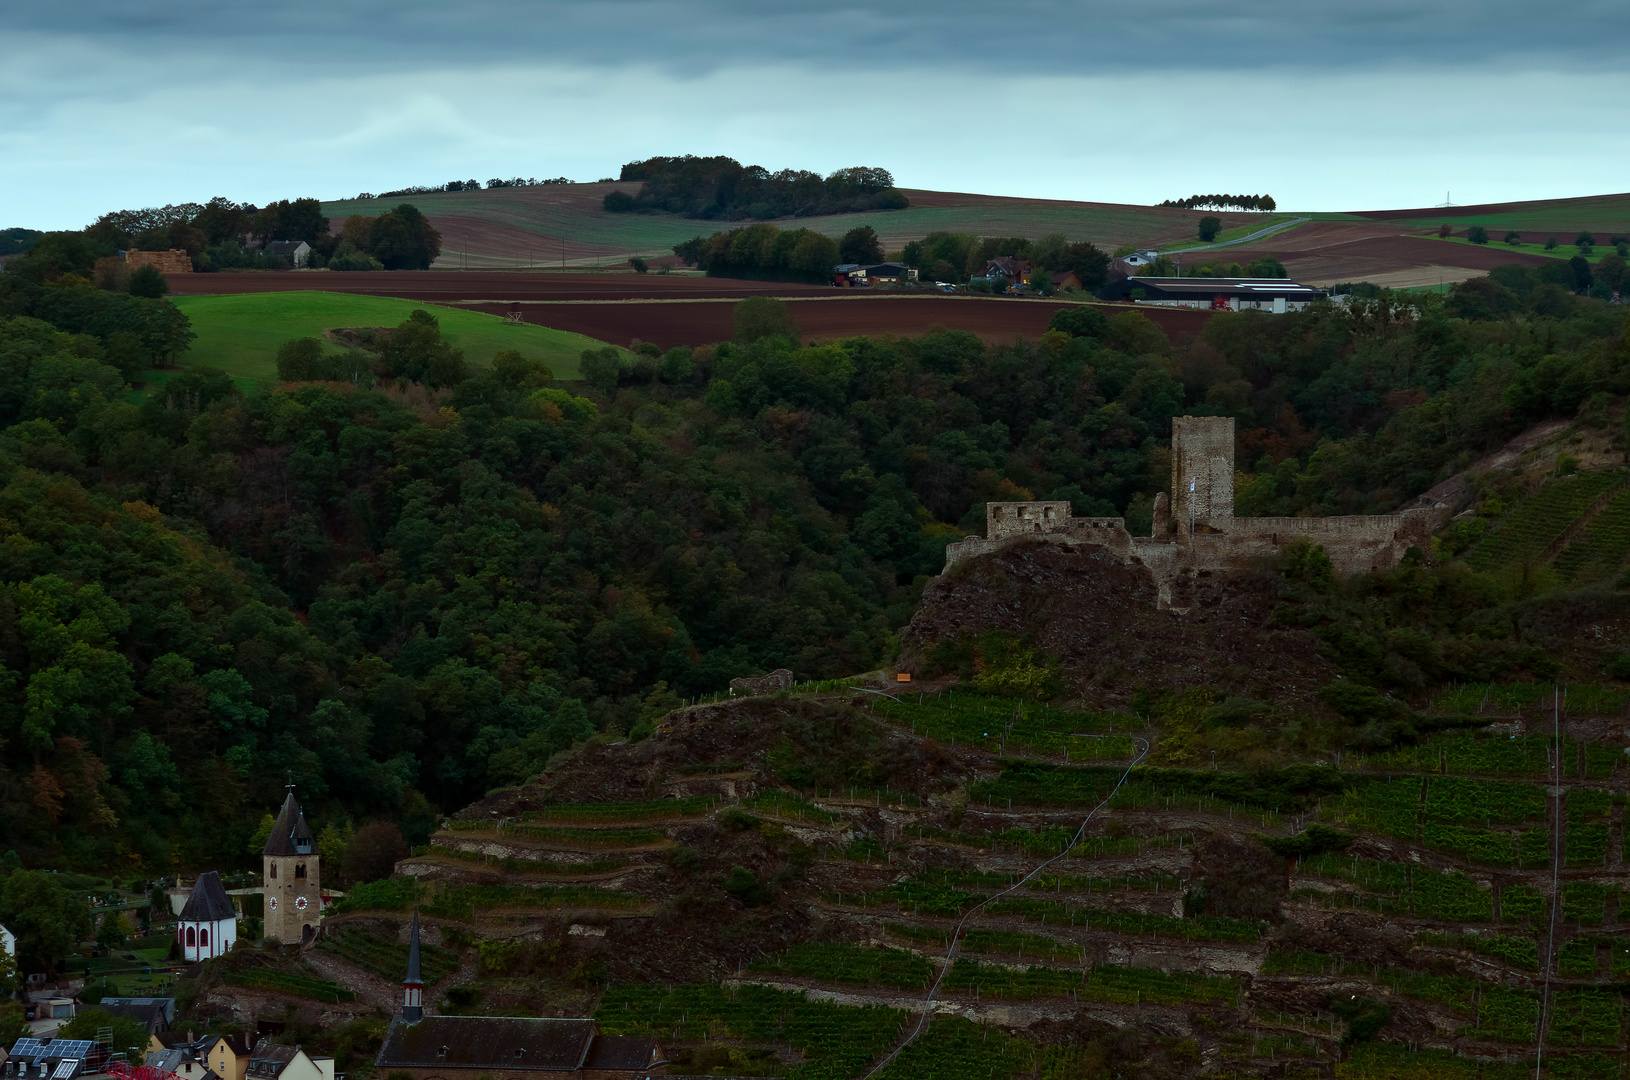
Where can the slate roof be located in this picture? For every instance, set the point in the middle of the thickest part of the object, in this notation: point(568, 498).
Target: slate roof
point(149, 1015)
point(488, 1043)
point(290, 834)
point(208, 901)
point(286, 247)
point(621, 1052)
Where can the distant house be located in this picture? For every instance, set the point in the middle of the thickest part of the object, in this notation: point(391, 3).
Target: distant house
point(1277, 295)
point(208, 924)
point(155, 1014)
point(270, 1061)
point(1065, 280)
point(864, 274)
point(1004, 266)
point(298, 252)
point(1137, 259)
point(49, 1059)
point(8, 942)
point(224, 1057)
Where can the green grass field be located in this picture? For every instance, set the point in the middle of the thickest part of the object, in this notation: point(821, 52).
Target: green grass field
point(1603, 215)
point(1564, 249)
point(241, 334)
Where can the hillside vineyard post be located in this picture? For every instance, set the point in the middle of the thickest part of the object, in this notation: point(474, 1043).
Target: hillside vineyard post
point(1195, 531)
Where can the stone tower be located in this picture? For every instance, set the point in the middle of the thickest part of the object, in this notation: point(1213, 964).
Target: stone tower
point(1202, 473)
point(290, 878)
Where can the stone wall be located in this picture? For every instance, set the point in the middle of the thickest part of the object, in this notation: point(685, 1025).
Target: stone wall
point(174, 261)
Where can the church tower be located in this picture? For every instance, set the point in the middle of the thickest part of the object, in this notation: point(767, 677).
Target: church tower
point(290, 878)
point(413, 985)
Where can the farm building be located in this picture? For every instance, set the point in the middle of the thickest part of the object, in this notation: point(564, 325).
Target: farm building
point(1232, 294)
point(861, 274)
point(298, 252)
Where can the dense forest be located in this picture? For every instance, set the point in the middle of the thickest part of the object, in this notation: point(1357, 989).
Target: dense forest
point(722, 187)
point(401, 595)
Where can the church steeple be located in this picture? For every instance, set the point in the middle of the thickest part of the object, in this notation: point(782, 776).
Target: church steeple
point(413, 985)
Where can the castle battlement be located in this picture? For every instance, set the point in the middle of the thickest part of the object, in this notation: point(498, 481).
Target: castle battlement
point(1196, 528)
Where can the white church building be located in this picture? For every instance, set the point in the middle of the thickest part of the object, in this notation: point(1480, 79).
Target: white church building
point(208, 924)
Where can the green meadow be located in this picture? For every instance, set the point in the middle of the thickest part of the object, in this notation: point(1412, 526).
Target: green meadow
point(240, 334)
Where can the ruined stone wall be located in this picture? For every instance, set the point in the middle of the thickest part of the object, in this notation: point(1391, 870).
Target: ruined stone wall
point(1202, 472)
point(174, 261)
point(1202, 458)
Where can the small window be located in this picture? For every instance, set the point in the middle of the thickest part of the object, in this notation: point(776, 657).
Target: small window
point(299, 871)
point(203, 938)
point(192, 937)
point(274, 870)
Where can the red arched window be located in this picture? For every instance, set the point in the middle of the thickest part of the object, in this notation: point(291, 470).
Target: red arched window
point(192, 936)
point(203, 938)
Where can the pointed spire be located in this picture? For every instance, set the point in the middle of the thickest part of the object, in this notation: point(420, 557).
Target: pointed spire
point(413, 985)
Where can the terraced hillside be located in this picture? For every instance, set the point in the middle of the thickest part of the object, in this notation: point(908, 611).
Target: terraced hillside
point(771, 885)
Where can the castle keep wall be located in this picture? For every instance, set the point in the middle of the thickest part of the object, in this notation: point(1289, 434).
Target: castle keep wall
point(1200, 532)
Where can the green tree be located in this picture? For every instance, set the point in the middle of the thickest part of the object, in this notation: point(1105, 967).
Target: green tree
point(860, 245)
point(638, 264)
point(1209, 228)
point(601, 368)
point(262, 833)
point(415, 350)
point(332, 843)
point(13, 1020)
point(47, 917)
point(129, 1036)
point(301, 360)
point(147, 281)
point(403, 239)
point(374, 852)
point(1477, 234)
point(759, 317)
point(1514, 239)
point(1080, 321)
point(113, 932)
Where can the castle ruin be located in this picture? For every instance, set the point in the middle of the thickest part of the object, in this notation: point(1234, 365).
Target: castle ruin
point(1196, 530)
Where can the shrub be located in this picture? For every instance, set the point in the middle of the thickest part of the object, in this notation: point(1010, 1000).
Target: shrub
point(1477, 234)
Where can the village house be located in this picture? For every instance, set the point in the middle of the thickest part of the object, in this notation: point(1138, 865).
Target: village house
point(155, 1014)
point(193, 1058)
point(48, 1059)
point(273, 1061)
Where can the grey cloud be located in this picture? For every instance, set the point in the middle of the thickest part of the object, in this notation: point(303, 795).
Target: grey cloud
point(954, 41)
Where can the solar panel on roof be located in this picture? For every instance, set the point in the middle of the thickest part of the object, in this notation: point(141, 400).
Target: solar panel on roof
point(66, 1070)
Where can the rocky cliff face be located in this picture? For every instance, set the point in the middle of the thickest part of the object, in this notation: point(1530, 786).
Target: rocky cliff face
point(1100, 617)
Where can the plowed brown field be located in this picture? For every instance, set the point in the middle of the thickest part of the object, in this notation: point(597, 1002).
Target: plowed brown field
point(1323, 253)
point(700, 322)
point(674, 310)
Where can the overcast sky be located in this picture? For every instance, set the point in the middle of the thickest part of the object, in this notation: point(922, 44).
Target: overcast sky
point(107, 104)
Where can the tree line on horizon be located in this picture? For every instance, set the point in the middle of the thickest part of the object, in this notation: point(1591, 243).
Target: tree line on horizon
point(724, 188)
point(764, 251)
point(1223, 202)
point(224, 235)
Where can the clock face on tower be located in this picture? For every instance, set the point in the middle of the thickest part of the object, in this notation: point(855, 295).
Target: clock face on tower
point(271, 901)
point(300, 902)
